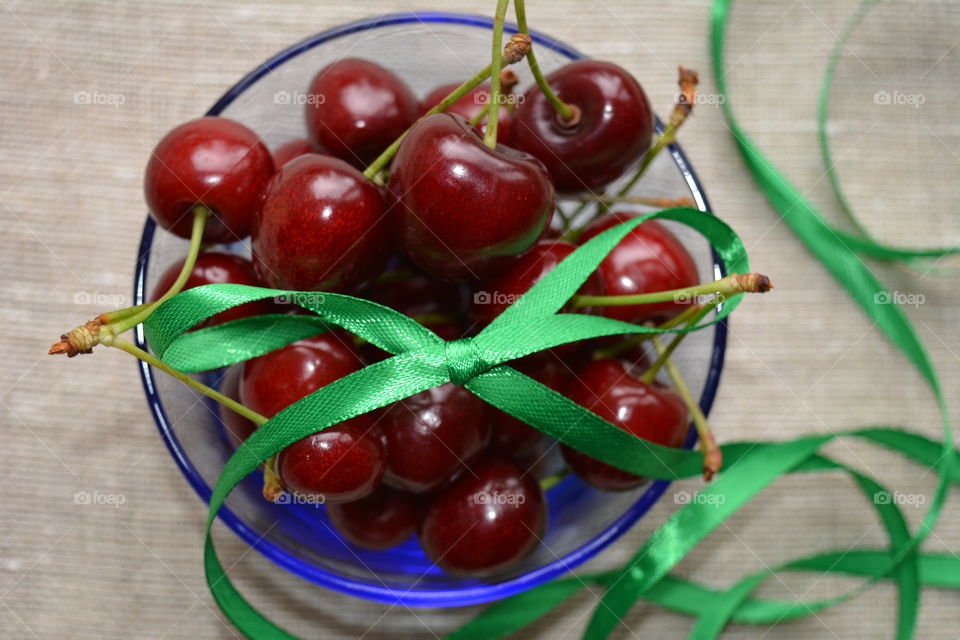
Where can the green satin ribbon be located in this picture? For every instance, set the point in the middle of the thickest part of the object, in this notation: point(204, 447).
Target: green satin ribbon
point(421, 360)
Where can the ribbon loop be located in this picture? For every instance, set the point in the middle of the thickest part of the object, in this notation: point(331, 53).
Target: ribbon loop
point(464, 360)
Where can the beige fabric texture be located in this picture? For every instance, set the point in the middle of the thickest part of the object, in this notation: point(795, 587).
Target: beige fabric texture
point(801, 360)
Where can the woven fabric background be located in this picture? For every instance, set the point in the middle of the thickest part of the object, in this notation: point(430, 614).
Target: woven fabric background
point(801, 360)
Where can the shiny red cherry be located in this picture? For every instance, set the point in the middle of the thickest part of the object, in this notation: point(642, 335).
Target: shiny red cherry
point(648, 259)
point(356, 108)
point(493, 296)
point(344, 461)
point(513, 437)
point(612, 129)
point(382, 520)
point(293, 149)
point(472, 103)
point(211, 161)
point(238, 428)
point(463, 209)
point(214, 267)
point(486, 522)
point(432, 435)
point(321, 227)
point(650, 411)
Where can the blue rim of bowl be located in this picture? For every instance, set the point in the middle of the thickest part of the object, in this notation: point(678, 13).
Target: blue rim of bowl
point(473, 594)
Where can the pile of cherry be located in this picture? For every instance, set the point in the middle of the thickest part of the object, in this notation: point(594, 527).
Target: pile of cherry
point(458, 231)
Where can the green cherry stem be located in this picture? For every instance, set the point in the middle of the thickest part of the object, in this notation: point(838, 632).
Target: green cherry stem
point(717, 290)
point(712, 456)
point(566, 112)
point(650, 374)
point(614, 350)
point(512, 52)
point(107, 325)
point(272, 485)
point(157, 363)
point(475, 120)
point(496, 64)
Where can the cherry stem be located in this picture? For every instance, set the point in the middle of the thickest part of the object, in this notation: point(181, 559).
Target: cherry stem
point(650, 374)
point(551, 481)
point(157, 363)
point(512, 52)
point(565, 111)
point(712, 456)
point(272, 485)
point(660, 203)
point(475, 120)
point(614, 350)
point(496, 63)
point(200, 215)
point(104, 327)
point(716, 291)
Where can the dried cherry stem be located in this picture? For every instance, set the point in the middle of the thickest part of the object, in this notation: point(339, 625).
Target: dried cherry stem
point(660, 203)
point(712, 456)
point(717, 291)
point(687, 81)
point(108, 325)
point(514, 51)
point(567, 114)
point(496, 64)
point(614, 350)
point(664, 355)
point(272, 485)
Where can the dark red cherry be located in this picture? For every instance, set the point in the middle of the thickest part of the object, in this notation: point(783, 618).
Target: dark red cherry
point(463, 209)
point(513, 437)
point(650, 411)
point(613, 129)
point(321, 227)
point(293, 149)
point(211, 161)
point(472, 103)
point(238, 428)
point(357, 108)
point(382, 520)
point(493, 296)
point(214, 267)
point(344, 461)
point(486, 522)
point(432, 435)
point(648, 259)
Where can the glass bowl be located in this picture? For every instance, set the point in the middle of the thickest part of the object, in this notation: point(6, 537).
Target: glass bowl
point(426, 50)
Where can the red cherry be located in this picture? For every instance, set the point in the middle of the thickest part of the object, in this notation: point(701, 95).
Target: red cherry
point(472, 103)
point(321, 227)
point(238, 428)
point(650, 411)
point(293, 149)
point(382, 520)
point(213, 267)
point(492, 297)
point(614, 128)
point(487, 521)
point(356, 108)
point(211, 161)
point(342, 462)
point(462, 209)
point(511, 436)
point(648, 259)
point(432, 435)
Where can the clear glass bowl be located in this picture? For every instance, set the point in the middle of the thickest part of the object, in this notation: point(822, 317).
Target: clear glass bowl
point(426, 50)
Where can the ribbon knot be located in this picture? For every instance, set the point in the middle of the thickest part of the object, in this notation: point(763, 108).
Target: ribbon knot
point(464, 361)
